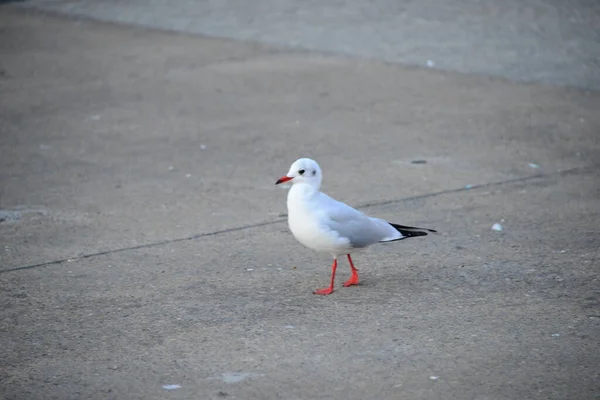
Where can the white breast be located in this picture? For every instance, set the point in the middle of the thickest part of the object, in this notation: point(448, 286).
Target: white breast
point(308, 225)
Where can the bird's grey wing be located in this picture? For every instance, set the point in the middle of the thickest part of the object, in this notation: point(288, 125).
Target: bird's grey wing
point(352, 224)
point(336, 210)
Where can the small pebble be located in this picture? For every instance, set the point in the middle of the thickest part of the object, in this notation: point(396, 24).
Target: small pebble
point(497, 227)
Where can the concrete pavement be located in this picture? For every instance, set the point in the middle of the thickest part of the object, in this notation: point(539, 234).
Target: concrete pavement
point(550, 41)
point(160, 150)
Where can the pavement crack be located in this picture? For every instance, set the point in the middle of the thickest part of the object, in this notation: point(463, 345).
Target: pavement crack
point(569, 171)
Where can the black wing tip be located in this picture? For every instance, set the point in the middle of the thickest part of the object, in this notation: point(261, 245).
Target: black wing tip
point(411, 230)
point(405, 235)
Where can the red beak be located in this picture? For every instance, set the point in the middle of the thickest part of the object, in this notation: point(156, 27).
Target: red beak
point(283, 179)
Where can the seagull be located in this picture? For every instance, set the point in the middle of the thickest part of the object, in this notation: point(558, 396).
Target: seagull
point(330, 226)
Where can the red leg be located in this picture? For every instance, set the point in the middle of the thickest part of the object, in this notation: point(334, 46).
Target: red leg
point(329, 290)
point(354, 278)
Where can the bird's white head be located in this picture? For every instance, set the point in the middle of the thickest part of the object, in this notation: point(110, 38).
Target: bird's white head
point(303, 170)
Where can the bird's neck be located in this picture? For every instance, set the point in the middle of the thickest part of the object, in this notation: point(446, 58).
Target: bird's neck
point(299, 194)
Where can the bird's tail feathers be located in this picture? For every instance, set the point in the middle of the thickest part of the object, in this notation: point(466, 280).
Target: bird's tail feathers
point(409, 231)
point(399, 228)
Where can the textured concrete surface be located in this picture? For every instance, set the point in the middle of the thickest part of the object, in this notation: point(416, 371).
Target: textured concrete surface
point(160, 150)
point(550, 41)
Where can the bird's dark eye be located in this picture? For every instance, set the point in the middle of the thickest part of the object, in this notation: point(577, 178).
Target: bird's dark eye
point(301, 172)
point(314, 173)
